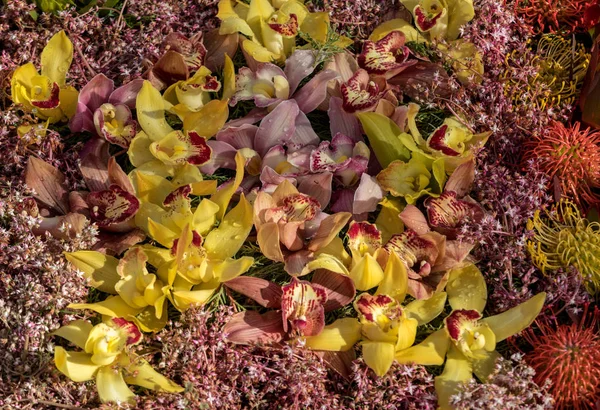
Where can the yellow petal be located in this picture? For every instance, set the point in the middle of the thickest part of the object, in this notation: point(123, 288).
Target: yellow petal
point(401, 25)
point(151, 320)
point(68, 101)
point(150, 108)
point(208, 120)
point(225, 241)
point(425, 310)
point(466, 288)
point(367, 273)
point(112, 387)
point(235, 25)
point(395, 279)
point(267, 237)
point(260, 9)
point(139, 149)
point(57, 57)
point(77, 366)
point(339, 336)
point(99, 269)
point(75, 332)
point(316, 25)
point(485, 366)
point(388, 221)
point(379, 356)
point(184, 299)
point(430, 351)
point(231, 268)
point(516, 319)
point(258, 52)
point(161, 233)
point(22, 78)
point(457, 370)
point(223, 196)
point(205, 216)
point(228, 78)
point(407, 333)
point(113, 306)
point(203, 188)
point(326, 261)
point(151, 188)
point(142, 374)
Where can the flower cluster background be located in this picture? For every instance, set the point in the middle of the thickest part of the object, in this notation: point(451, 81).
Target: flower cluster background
point(289, 204)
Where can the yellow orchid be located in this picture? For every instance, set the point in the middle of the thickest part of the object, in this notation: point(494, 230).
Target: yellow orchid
point(440, 19)
point(161, 150)
point(46, 94)
point(271, 26)
point(468, 341)
point(465, 59)
point(192, 94)
point(107, 358)
point(387, 326)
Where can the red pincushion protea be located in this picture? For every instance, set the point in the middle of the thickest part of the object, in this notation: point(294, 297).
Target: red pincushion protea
point(552, 15)
point(572, 156)
point(568, 356)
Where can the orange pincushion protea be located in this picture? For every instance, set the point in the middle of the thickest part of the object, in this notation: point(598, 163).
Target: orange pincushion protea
point(568, 356)
point(573, 156)
point(552, 15)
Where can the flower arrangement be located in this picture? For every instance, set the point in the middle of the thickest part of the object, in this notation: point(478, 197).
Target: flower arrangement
point(298, 204)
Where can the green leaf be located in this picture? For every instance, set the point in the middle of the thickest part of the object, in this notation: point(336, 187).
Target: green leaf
point(383, 134)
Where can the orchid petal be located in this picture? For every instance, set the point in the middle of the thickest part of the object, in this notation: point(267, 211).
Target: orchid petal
point(151, 113)
point(329, 229)
point(414, 219)
point(397, 25)
point(367, 195)
point(139, 150)
point(93, 166)
point(75, 332)
point(516, 319)
point(225, 241)
point(208, 120)
point(277, 127)
point(314, 92)
point(388, 222)
point(379, 356)
point(228, 78)
point(458, 370)
point(325, 261)
point(113, 306)
point(483, 368)
point(127, 94)
point(425, 310)
point(48, 183)
point(142, 374)
point(224, 195)
point(461, 179)
point(367, 273)
point(341, 335)
point(96, 92)
point(112, 387)
point(100, 270)
point(317, 186)
point(431, 351)
point(57, 57)
point(252, 327)
point(232, 268)
point(342, 122)
point(267, 237)
point(466, 289)
point(383, 136)
point(340, 289)
point(263, 292)
point(407, 333)
point(77, 366)
point(299, 66)
point(395, 279)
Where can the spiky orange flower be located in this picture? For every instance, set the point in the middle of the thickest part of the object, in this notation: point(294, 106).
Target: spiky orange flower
point(552, 15)
point(568, 356)
point(573, 156)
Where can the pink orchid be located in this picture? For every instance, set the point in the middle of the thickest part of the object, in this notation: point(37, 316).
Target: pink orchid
point(106, 111)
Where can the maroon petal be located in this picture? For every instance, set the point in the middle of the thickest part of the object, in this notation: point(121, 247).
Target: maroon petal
point(116, 243)
point(447, 213)
point(263, 292)
point(302, 306)
point(93, 165)
point(423, 21)
point(252, 327)
point(461, 179)
point(341, 362)
point(288, 29)
point(48, 183)
point(135, 336)
point(201, 150)
point(52, 101)
point(360, 92)
point(340, 289)
point(318, 186)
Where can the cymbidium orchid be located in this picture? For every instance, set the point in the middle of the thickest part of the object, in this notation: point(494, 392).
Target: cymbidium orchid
point(46, 94)
point(303, 306)
point(387, 326)
point(107, 356)
point(291, 227)
point(161, 150)
point(270, 27)
point(467, 343)
point(440, 19)
point(191, 95)
point(106, 111)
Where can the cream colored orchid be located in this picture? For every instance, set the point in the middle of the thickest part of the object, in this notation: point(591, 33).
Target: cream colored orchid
point(107, 357)
point(161, 150)
point(47, 95)
point(468, 341)
point(271, 26)
point(387, 326)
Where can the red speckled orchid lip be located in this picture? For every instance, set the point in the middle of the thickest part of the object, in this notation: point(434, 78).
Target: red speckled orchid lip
point(360, 92)
point(295, 208)
point(182, 192)
point(458, 319)
point(423, 21)
point(53, 100)
point(363, 234)
point(288, 29)
point(211, 84)
point(385, 55)
point(370, 307)
point(414, 250)
point(302, 306)
point(437, 141)
point(112, 206)
point(449, 212)
point(135, 336)
point(127, 126)
point(202, 151)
